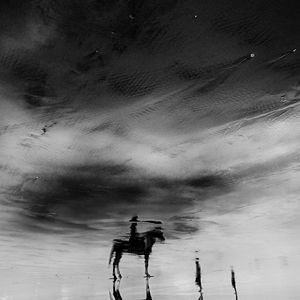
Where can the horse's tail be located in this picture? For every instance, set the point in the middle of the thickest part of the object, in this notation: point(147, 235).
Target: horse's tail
point(111, 254)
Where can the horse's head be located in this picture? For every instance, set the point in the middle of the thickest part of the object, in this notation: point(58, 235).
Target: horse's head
point(157, 233)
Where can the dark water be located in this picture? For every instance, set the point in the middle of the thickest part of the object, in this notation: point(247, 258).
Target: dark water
point(181, 112)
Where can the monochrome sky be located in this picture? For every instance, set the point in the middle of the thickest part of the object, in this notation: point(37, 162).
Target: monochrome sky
point(157, 108)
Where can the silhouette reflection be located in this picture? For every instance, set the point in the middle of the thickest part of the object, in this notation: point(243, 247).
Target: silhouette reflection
point(116, 295)
point(233, 283)
point(116, 291)
point(138, 243)
point(198, 279)
point(148, 293)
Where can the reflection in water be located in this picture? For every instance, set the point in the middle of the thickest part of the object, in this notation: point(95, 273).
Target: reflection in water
point(116, 290)
point(148, 293)
point(234, 283)
point(138, 243)
point(156, 109)
point(198, 279)
point(116, 285)
point(273, 61)
point(116, 294)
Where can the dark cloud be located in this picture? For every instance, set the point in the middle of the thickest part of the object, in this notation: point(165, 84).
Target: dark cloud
point(182, 227)
point(91, 56)
point(63, 64)
point(137, 84)
point(77, 197)
point(291, 68)
point(256, 22)
point(13, 15)
point(208, 181)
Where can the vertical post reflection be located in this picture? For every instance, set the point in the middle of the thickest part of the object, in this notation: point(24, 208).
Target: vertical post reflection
point(198, 279)
point(233, 283)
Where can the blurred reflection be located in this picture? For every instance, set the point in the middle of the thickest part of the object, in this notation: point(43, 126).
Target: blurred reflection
point(116, 295)
point(138, 243)
point(116, 291)
point(233, 283)
point(148, 294)
point(198, 279)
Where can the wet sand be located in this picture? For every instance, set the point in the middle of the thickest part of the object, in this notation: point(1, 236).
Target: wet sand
point(181, 112)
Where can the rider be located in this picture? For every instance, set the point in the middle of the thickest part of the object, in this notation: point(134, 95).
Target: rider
point(133, 232)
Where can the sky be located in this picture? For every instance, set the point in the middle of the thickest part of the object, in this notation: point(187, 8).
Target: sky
point(179, 111)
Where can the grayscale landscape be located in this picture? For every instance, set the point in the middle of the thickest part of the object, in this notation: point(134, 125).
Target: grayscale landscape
point(162, 135)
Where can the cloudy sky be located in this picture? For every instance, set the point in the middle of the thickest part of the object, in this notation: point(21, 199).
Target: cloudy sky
point(181, 111)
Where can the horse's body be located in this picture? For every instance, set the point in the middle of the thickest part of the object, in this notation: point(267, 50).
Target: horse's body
point(138, 243)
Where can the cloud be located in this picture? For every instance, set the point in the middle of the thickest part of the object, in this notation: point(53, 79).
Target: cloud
point(150, 130)
point(89, 195)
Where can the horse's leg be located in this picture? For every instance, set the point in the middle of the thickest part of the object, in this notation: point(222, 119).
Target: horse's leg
point(147, 254)
point(118, 270)
point(148, 247)
point(114, 269)
point(118, 257)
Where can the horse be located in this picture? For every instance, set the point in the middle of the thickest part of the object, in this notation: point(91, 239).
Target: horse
point(138, 243)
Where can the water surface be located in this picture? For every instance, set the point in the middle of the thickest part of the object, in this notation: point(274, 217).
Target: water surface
point(184, 113)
